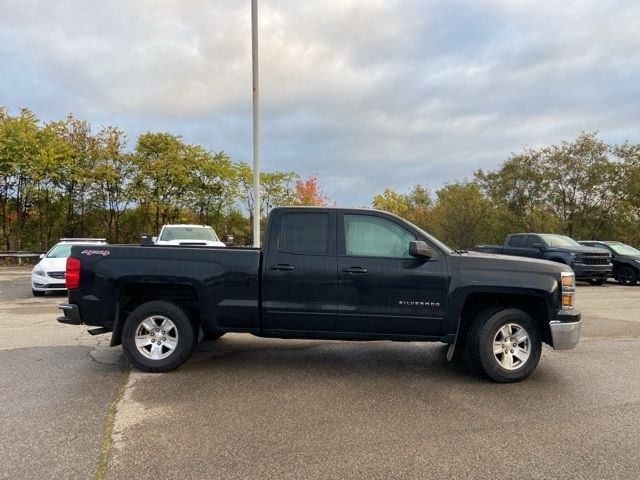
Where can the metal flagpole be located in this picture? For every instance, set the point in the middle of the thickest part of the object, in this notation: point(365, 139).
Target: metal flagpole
point(256, 130)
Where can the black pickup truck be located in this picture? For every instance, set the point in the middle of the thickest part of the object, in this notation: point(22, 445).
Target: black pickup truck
point(325, 273)
point(590, 264)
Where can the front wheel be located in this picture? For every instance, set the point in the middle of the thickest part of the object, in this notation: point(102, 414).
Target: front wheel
point(504, 344)
point(37, 293)
point(158, 336)
point(627, 276)
point(596, 281)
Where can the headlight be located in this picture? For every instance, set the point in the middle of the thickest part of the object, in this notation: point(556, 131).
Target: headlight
point(568, 282)
point(39, 272)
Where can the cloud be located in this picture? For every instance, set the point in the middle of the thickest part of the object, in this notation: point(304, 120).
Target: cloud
point(367, 94)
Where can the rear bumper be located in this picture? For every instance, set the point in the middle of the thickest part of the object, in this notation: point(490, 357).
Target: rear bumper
point(71, 314)
point(565, 329)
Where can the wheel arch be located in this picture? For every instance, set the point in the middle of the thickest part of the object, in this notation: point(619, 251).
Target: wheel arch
point(478, 302)
point(132, 295)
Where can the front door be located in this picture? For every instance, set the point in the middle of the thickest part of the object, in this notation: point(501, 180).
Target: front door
point(300, 272)
point(382, 289)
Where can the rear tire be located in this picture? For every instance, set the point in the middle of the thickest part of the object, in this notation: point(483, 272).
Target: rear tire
point(504, 344)
point(627, 276)
point(158, 336)
point(37, 293)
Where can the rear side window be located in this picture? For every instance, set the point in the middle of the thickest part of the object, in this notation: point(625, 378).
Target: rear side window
point(305, 233)
point(517, 241)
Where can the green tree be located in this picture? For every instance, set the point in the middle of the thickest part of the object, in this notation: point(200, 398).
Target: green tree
point(462, 214)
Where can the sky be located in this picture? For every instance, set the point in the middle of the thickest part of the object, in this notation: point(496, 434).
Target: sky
point(365, 94)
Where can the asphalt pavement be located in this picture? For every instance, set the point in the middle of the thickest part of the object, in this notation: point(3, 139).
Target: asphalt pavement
point(245, 407)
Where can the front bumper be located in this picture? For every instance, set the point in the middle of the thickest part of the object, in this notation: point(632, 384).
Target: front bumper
point(71, 314)
point(47, 284)
point(565, 329)
point(586, 272)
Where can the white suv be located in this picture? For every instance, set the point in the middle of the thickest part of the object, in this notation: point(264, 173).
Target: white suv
point(49, 274)
point(188, 235)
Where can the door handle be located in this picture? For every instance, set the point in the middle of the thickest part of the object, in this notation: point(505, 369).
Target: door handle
point(354, 270)
point(282, 266)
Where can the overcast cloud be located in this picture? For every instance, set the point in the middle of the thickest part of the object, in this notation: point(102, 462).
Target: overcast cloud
point(367, 94)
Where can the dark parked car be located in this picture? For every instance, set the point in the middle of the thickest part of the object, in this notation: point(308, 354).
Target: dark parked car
point(626, 259)
point(589, 264)
point(325, 273)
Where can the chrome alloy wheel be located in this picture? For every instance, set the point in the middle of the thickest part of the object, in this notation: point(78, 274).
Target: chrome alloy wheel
point(156, 337)
point(511, 346)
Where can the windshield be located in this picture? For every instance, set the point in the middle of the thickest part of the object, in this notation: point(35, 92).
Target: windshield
point(431, 238)
point(559, 240)
point(188, 233)
point(60, 251)
point(622, 249)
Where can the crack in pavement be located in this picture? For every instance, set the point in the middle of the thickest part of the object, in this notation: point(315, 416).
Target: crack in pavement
point(109, 421)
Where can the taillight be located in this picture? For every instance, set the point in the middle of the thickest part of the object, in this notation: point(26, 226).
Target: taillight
point(72, 277)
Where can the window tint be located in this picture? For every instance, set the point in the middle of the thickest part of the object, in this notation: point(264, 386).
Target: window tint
point(517, 241)
point(305, 233)
point(531, 239)
point(370, 236)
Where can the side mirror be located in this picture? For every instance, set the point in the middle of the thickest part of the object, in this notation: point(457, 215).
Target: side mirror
point(420, 249)
point(145, 239)
point(41, 255)
point(539, 246)
point(229, 241)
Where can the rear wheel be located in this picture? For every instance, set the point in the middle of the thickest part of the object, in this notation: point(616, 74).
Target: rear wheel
point(627, 276)
point(37, 293)
point(504, 344)
point(158, 336)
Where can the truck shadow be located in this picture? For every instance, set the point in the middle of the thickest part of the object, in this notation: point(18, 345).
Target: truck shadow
point(374, 359)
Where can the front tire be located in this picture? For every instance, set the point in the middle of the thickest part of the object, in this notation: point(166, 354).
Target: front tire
point(158, 336)
point(504, 344)
point(37, 293)
point(627, 276)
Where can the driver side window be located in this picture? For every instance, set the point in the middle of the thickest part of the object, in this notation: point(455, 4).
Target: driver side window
point(369, 236)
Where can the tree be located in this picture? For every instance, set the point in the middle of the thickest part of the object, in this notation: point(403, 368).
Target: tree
point(112, 177)
point(461, 214)
point(414, 206)
point(309, 193)
point(212, 185)
point(161, 176)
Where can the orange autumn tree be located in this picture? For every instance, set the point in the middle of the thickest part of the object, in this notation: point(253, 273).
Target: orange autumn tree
point(309, 193)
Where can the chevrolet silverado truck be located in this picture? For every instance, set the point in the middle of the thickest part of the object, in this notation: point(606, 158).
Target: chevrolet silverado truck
point(592, 265)
point(325, 273)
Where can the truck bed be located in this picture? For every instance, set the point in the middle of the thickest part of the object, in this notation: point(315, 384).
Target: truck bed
point(223, 281)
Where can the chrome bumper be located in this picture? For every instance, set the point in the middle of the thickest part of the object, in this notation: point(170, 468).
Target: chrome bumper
point(565, 335)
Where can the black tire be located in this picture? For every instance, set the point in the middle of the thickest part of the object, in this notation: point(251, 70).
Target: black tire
point(627, 276)
point(212, 336)
point(596, 281)
point(480, 346)
point(186, 336)
point(36, 293)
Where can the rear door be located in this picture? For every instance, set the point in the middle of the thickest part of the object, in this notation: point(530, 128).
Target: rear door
point(300, 271)
point(382, 289)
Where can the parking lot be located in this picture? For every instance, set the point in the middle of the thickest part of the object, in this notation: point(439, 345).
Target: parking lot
point(245, 407)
